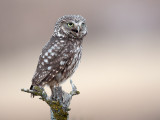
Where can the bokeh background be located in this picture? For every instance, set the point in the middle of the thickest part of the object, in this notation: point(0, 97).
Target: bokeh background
point(119, 75)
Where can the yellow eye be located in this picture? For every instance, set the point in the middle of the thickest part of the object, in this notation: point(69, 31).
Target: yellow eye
point(70, 24)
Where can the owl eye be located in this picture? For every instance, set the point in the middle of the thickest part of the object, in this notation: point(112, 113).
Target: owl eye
point(83, 24)
point(70, 24)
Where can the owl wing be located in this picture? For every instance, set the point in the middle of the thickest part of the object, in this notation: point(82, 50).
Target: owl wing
point(53, 59)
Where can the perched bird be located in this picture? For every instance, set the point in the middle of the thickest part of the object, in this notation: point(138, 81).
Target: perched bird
point(61, 55)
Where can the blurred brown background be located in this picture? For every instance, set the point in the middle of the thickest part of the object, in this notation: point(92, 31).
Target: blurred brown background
point(119, 75)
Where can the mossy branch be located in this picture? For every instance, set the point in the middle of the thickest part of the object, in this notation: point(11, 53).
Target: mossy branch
point(59, 101)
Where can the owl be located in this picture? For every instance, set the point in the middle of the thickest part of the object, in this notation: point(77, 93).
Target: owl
point(61, 55)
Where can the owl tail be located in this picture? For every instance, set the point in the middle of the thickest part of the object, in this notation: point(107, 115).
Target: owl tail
point(31, 88)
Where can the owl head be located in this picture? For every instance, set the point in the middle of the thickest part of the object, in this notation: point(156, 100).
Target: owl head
point(73, 26)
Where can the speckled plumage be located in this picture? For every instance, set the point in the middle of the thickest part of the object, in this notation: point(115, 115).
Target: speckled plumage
point(61, 55)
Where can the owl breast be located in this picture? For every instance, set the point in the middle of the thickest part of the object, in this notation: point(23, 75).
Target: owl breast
point(73, 62)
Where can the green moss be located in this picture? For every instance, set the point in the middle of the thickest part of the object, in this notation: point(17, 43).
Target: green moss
point(56, 108)
point(77, 92)
point(58, 111)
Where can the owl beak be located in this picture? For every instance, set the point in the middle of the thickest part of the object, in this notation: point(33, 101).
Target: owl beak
point(78, 29)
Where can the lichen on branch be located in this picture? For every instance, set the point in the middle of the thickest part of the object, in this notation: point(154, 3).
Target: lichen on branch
point(59, 101)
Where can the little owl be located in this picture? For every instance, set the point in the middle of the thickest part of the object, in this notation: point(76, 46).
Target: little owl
point(61, 55)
